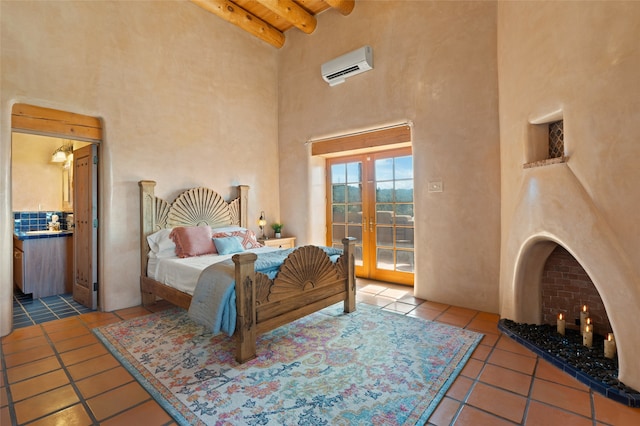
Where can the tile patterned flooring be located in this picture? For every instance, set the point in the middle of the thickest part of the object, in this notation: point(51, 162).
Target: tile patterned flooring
point(59, 373)
point(29, 311)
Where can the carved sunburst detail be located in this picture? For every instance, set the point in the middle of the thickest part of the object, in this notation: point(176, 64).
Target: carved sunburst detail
point(341, 266)
point(263, 285)
point(234, 211)
point(199, 206)
point(307, 267)
point(162, 213)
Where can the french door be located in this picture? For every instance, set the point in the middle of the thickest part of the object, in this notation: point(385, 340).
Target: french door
point(370, 198)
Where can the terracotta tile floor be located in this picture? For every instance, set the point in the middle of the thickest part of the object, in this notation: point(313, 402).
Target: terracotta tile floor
point(58, 373)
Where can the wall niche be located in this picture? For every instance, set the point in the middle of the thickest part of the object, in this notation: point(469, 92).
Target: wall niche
point(545, 141)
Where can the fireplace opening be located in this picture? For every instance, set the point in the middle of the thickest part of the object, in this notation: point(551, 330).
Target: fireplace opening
point(565, 287)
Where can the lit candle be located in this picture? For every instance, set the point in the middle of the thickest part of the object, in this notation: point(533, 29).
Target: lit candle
point(584, 314)
point(609, 346)
point(587, 336)
point(561, 324)
point(589, 323)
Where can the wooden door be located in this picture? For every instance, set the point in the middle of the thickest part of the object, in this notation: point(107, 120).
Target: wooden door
point(371, 199)
point(85, 235)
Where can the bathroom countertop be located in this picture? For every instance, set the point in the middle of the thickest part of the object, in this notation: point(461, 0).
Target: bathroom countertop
point(25, 236)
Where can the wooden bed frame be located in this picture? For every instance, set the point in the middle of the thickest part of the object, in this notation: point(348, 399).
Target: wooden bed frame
point(307, 281)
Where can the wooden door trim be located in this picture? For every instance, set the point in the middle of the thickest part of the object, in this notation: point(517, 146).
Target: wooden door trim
point(368, 140)
point(27, 118)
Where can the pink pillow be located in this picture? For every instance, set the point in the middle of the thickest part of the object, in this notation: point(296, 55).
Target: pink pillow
point(248, 237)
point(192, 241)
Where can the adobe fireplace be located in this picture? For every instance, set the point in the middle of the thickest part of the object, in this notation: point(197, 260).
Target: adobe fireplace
point(565, 288)
point(553, 209)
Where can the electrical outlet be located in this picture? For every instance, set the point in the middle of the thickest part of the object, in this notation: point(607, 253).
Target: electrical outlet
point(435, 186)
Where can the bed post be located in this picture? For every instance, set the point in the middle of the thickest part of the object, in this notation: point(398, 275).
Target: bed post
point(350, 300)
point(147, 226)
point(245, 306)
point(243, 194)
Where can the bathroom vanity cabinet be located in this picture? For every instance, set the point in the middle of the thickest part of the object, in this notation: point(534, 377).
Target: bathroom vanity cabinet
point(41, 266)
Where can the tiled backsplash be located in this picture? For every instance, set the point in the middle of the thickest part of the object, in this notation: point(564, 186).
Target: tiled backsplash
point(36, 221)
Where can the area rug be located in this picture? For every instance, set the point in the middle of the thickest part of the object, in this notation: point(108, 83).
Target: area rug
point(369, 367)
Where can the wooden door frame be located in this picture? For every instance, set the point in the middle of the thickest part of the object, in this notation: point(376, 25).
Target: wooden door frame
point(32, 119)
point(368, 210)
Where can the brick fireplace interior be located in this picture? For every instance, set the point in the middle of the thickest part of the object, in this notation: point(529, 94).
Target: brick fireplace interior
point(566, 287)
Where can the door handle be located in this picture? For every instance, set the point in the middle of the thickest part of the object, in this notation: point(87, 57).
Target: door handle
point(370, 225)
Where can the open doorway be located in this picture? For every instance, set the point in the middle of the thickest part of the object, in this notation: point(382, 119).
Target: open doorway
point(55, 201)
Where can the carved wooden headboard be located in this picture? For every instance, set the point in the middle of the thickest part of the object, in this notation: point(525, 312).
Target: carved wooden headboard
point(197, 206)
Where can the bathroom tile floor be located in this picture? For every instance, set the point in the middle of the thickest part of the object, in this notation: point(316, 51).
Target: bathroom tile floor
point(28, 311)
point(58, 372)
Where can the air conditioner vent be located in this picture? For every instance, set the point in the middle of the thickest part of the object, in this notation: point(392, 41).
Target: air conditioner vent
point(343, 72)
point(353, 63)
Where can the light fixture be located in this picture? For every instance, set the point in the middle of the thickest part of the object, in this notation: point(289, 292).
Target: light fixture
point(60, 154)
point(262, 222)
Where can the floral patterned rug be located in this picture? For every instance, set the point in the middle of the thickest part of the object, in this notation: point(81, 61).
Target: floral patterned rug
point(368, 367)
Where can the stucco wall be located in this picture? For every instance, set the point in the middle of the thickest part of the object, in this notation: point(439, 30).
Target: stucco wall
point(435, 65)
point(36, 181)
point(582, 58)
point(185, 98)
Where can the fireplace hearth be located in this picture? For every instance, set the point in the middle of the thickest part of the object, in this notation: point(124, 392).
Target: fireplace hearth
point(588, 365)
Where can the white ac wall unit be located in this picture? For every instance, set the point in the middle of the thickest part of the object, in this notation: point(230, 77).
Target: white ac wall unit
point(345, 66)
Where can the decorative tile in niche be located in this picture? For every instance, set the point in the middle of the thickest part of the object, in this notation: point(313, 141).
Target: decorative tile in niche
point(544, 144)
point(556, 139)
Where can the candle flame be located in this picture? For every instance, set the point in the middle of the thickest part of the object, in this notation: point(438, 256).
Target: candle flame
point(587, 328)
point(589, 320)
point(610, 337)
point(584, 308)
point(560, 316)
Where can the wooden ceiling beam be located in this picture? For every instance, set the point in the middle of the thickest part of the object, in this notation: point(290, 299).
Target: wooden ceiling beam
point(236, 15)
point(343, 6)
point(291, 12)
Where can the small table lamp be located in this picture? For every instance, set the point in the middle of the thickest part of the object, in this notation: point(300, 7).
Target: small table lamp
point(262, 222)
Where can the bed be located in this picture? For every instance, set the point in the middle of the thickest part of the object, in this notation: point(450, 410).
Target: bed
point(308, 280)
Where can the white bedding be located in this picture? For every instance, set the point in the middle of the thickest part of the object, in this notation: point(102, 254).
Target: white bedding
point(182, 273)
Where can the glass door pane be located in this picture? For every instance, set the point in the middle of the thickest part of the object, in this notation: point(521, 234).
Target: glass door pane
point(394, 214)
point(346, 205)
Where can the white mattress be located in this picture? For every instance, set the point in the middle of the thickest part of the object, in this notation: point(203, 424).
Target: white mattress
point(182, 273)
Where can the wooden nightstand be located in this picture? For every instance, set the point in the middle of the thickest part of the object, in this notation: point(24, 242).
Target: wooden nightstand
point(284, 242)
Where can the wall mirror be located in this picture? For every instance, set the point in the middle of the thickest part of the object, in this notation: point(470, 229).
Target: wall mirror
point(67, 185)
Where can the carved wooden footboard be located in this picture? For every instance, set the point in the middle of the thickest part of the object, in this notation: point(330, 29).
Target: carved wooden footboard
point(307, 280)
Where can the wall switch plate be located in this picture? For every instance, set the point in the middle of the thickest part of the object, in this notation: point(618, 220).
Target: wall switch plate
point(435, 186)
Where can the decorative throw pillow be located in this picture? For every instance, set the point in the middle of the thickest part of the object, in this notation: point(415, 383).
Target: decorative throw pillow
point(160, 242)
point(192, 240)
point(247, 236)
point(228, 245)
